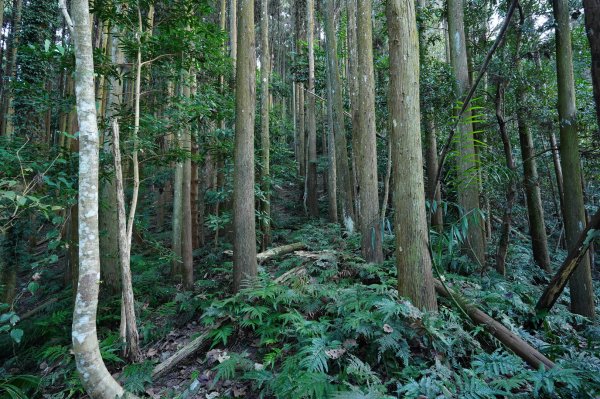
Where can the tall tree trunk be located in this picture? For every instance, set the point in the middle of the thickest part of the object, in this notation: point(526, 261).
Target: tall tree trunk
point(582, 293)
point(511, 189)
point(96, 379)
point(186, 195)
point(434, 187)
point(344, 179)
point(354, 95)
point(415, 275)
point(265, 144)
point(591, 10)
point(311, 117)
point(468, 177)
point(244, 238)
point(10, 71)
point(109, 223)
point(366, 148)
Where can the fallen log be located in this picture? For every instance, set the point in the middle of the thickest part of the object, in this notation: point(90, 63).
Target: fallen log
point(559, 281)
point(182, 354)
point(35, 310)
point(512, 341)
point(274, 252)
point(279, 251)
point(296, 271)
point(513, 229)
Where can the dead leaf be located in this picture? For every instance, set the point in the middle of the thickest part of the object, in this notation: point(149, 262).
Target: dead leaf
point(388, 329)
point(335, 353)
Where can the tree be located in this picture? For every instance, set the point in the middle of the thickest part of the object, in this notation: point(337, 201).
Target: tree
point(265, 66)
point(582, 294)
point(311, 117)
point(591, 9)
point(96, 379)
point(244, 239)
point(468, 186)
point(415, 275)
point(366, 141)
point(334, 87)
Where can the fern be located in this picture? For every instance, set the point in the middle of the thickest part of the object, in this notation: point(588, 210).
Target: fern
point(137, 377)
point(314, 357)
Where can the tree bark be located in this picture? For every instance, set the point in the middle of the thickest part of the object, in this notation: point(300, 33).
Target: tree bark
point(415, 275)
point(344, 179)
point(187, 249)
point(591, 10)
point(511, 189)
point(311, 117)
point(10, 71)
point(574, 258)
point(265, 64)
point(468, 185)
point(582, 293)
point(366, 148)
point(244, 239)
point(96, 379)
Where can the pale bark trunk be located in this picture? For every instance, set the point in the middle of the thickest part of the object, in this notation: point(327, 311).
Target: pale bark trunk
point(344, 179)
point(366, 148)
point(311, 118)
point(265, 144)
point(244, 239)
point(468, 185)
point(415, 275)
point(96, 379)
point(582, 293)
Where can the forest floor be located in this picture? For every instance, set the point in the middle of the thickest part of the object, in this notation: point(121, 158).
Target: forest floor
point(334, 327)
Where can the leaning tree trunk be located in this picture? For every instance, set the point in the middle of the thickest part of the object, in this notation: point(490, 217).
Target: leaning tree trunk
point(96, 379)
point(244, 239)
point(344, 179)
point(569, 266)
point(468, 185)
point(415, 275)
point(366, 148)
point(582, 293)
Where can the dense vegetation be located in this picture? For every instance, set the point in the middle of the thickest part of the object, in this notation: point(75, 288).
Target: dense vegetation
point(299, 199)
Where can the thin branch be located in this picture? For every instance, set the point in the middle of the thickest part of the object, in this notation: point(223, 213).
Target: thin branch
point(62, 4)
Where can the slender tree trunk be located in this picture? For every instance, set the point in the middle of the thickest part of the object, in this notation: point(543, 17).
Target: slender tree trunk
point(511, 189)
point(265, 64)
point(468, 177)
point(354, 96)
point(233, 36)
point(557, 170)
point(415, 275)
point(344, 179)
point(366, 148)
point(244, 238)
point(582, 293)
point(592, 27)
point(96, 379)
point(434, 187)
point(109, 222)
point(311, 117)
point(10, 71)
point(186, 195)
point(129, 333)
point(195, 198)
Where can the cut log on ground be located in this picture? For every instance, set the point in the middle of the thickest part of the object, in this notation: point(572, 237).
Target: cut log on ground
point(559, 281)
point(296, 271)
point(279, 251)
point(182, 354)
point(512, 341)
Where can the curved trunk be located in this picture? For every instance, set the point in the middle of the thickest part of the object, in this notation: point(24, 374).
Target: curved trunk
point(96, 379)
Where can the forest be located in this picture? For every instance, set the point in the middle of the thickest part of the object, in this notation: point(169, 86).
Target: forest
point(303, 199)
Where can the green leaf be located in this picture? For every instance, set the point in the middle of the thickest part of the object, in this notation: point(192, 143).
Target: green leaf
point(33, 287)
point(16, 334)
